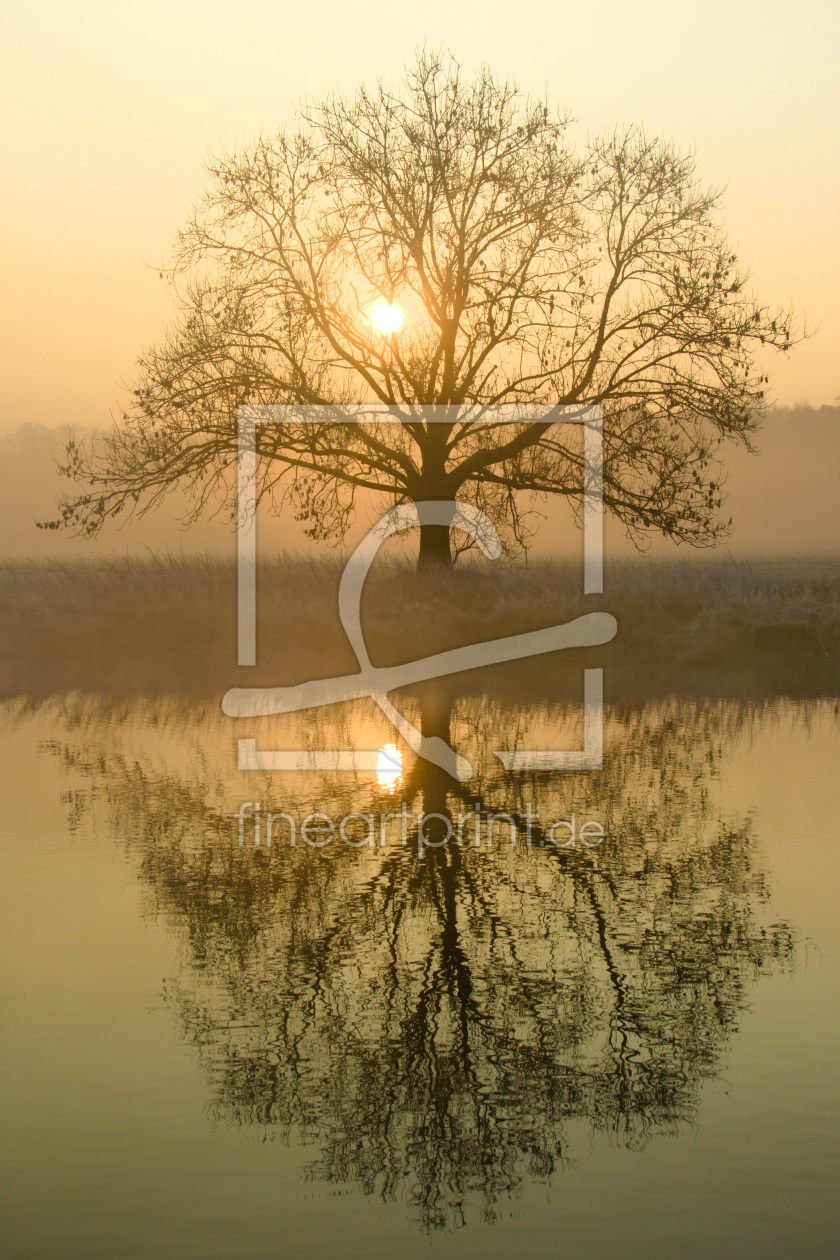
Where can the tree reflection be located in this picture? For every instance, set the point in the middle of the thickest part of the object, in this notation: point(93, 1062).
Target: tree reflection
point(436, 1023)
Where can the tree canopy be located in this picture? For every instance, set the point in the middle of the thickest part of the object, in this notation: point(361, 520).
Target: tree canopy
point(523, 271)
point(448, 1027)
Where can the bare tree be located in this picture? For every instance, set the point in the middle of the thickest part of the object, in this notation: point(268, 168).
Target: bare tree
point(524, 273)
point(440, 1024)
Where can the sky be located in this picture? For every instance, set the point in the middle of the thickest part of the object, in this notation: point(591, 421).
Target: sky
point(109, 110)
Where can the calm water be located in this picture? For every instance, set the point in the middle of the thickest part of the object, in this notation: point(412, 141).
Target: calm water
point(224, 1049)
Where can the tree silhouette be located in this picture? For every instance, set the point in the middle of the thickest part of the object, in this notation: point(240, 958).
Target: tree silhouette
point(434, 1023)
point(525, 272)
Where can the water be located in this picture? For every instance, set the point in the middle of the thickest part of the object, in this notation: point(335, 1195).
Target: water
point(617, 1047)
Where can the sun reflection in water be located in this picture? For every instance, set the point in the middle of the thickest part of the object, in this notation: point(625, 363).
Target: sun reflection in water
point(389, 767)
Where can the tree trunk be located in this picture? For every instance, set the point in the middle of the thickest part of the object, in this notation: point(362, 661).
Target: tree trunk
point(435, 550)
point(435, 546)
point(436, 702)
point(436, 710)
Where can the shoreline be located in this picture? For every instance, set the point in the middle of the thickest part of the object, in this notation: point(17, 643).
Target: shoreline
point(167, 625)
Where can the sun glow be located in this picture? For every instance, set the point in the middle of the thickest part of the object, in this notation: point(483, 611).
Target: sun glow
point(386, 318)
point(389, 767)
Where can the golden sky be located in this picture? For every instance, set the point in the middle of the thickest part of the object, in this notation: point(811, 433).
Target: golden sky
point(109, 109)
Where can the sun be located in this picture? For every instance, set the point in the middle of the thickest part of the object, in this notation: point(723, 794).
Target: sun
point(386, 318)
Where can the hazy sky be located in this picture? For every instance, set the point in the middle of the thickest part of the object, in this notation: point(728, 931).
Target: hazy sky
point(109, 108)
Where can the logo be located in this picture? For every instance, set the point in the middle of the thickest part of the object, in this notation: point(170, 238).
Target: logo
point(588, 630)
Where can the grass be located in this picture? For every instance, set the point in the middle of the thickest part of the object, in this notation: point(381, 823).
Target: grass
point(167, 625)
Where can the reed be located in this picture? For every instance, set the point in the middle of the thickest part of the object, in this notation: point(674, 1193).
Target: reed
point(167, 624)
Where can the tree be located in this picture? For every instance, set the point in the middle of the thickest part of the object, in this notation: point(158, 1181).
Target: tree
point(527, 273)
point(443, 1027)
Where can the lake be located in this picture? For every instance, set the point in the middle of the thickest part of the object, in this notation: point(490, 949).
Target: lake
point(589, 1014)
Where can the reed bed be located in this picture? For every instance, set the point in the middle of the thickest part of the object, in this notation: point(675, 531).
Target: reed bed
point(167, 624)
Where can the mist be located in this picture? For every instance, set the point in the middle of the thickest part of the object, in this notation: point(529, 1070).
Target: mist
point(783, 503)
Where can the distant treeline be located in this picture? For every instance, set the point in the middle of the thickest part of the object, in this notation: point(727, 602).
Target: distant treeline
point(783, 502)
